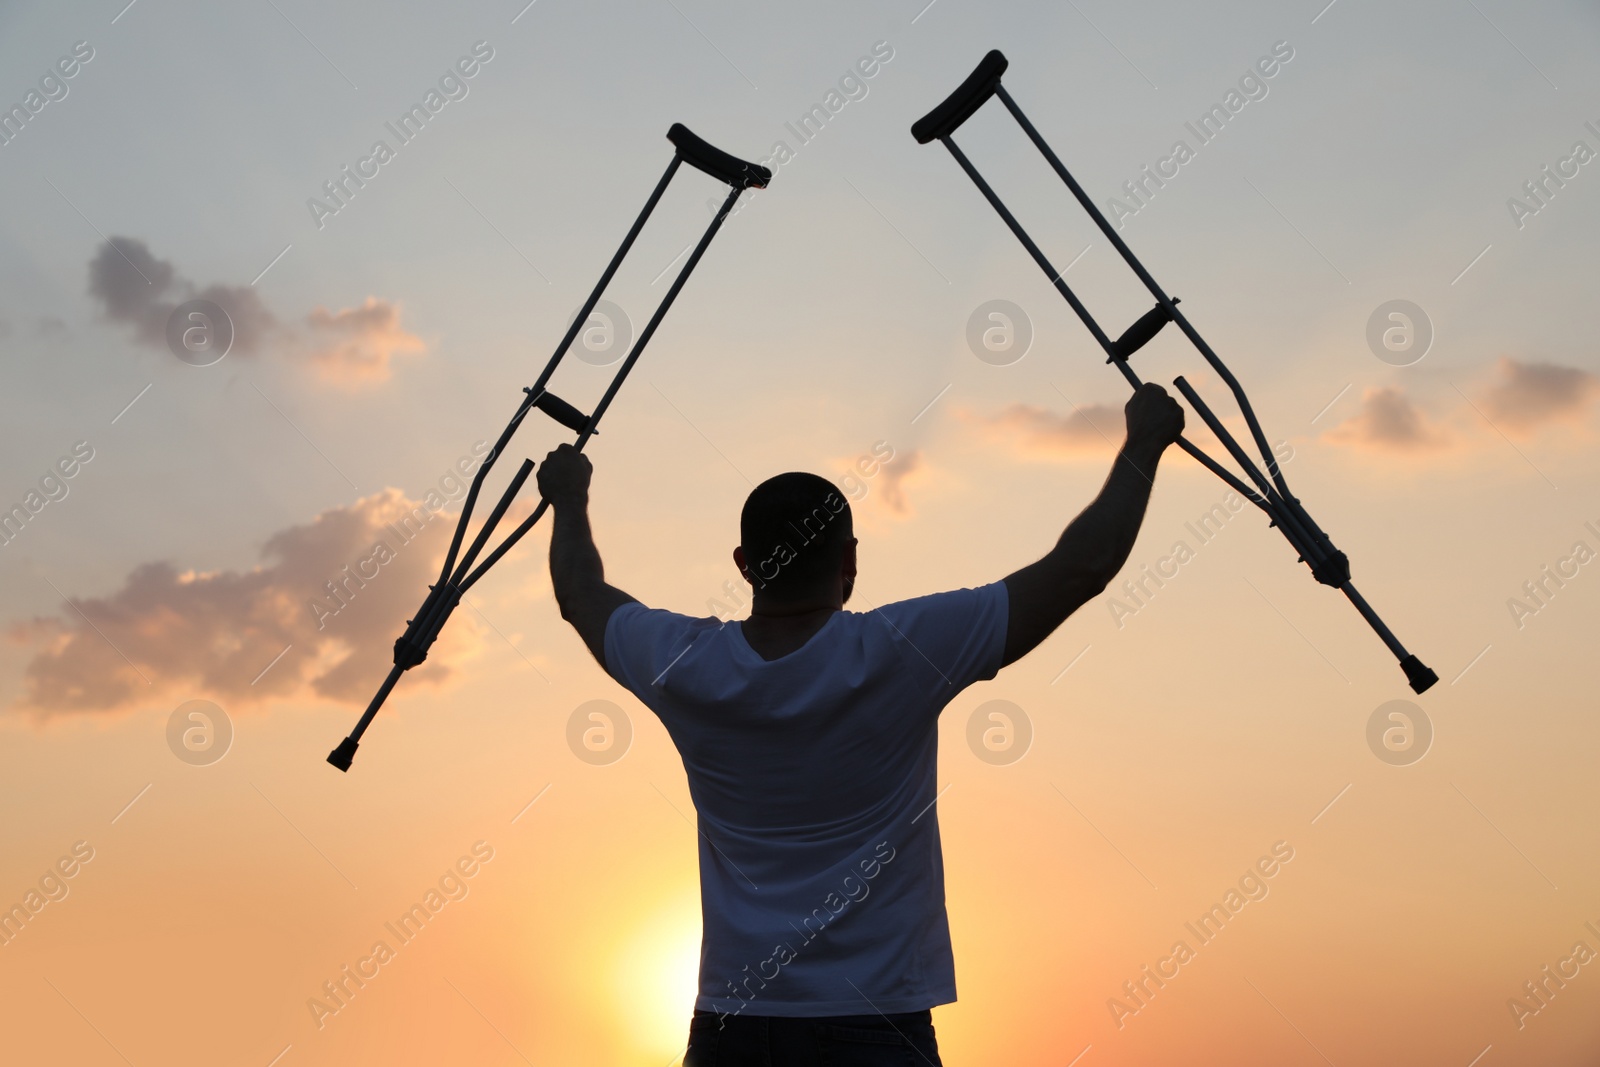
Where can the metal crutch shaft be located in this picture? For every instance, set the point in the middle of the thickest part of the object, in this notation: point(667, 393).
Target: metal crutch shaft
point(1114, 349)
point(1329, 565)
point(1150, 283)
point(456, 576)
point(1118, 351)
point(536, 391)
point(616, 382)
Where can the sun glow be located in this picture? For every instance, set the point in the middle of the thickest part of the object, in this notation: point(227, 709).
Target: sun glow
point(656, 976)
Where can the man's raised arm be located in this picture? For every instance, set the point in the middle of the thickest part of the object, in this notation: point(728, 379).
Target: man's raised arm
point(1096, 544)
point(586, 601)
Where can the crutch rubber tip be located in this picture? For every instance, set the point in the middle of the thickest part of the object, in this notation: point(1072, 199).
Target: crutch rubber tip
point(1420, 677)
point(345, 753)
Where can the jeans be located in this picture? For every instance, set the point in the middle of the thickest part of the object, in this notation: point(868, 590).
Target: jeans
point(897, 1040)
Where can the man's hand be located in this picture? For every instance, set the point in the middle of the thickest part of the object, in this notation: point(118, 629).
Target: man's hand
point(564, 477)
point(1155, 420)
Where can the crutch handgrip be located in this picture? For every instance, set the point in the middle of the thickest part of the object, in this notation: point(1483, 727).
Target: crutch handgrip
point(1141, 333)
point(561, 411)
point(715, 162)
point(969, 96)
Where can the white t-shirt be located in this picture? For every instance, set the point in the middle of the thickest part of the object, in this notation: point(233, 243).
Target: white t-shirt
point(821, 876)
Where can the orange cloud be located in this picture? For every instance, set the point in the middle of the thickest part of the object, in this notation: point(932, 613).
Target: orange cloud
point(354, 346)
point(1389, 422)
point(1528, 395)
point(335, 591)
point(1091, 430)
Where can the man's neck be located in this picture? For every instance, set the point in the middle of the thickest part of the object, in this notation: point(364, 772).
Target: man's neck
point(793, 610)
point(775, 630)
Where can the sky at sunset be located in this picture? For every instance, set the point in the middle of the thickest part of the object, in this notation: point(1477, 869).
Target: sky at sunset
point(170, 532)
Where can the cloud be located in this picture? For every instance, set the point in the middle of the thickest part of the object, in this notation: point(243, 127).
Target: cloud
point(355, 345)
point(893, 478)
point(1389, 422)
point(129, 282)
point(1530, 394)
point(136, 288)
point(1090, 430)
point(349, 347)
point(184, 633)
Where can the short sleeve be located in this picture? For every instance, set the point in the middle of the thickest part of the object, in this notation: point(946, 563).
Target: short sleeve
point(642, 643)
point(960, 635)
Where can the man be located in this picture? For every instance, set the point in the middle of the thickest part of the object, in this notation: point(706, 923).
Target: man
point(809, 735)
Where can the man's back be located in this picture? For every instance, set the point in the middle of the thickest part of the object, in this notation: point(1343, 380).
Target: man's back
point(822, 885)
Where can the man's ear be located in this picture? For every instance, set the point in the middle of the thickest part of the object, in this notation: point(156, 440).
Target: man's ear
point(744, 570)
point(848, 568)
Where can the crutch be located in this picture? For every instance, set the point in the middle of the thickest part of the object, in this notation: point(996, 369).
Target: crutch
point(1328, 565)
point(455, 578)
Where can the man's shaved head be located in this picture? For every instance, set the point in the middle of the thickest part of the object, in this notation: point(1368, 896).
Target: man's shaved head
point(794, 529)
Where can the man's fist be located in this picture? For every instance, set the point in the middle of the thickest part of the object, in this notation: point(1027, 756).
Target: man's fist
point(1155, 420)
point(564, 476)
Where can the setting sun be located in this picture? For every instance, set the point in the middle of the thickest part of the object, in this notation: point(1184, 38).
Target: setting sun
point(654, 974)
